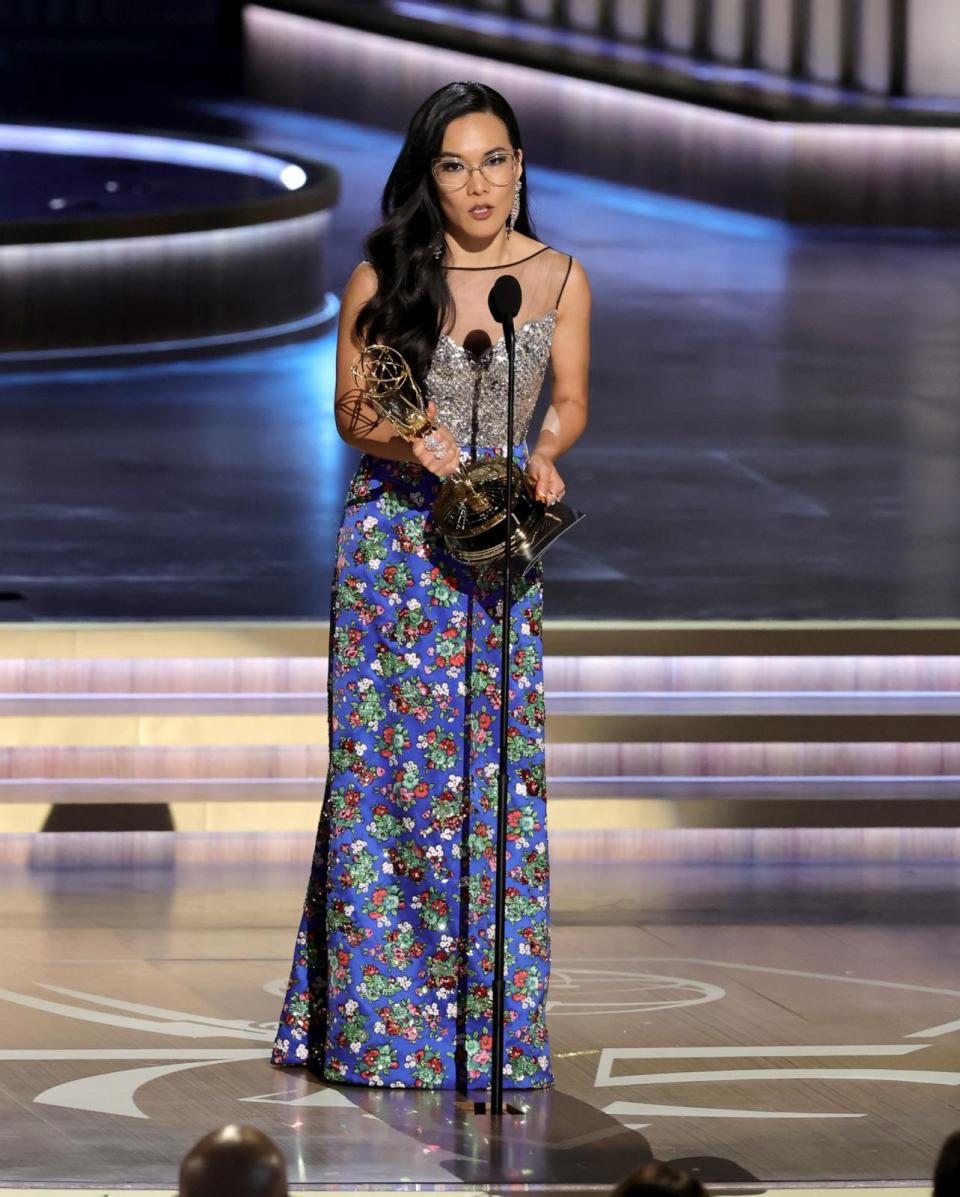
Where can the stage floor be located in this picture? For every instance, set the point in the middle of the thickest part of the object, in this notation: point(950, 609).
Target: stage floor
point(763, 1024)
point(774, 431)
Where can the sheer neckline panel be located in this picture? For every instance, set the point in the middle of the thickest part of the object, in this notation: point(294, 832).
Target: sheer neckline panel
point(505, 265)
point(470, 324)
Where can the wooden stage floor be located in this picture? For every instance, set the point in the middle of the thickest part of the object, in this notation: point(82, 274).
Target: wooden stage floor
point(764, 1024)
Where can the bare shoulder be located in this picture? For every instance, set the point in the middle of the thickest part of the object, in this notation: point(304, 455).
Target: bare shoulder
point(361, 285)
point(577, 282)
point(575, 297)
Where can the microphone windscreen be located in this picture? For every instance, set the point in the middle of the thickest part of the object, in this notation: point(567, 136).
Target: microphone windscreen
point(505, 298)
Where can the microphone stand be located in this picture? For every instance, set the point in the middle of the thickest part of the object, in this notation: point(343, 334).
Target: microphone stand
point(500, 893)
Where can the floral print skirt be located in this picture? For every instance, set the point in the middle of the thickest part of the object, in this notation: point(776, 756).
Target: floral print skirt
point(392, 971)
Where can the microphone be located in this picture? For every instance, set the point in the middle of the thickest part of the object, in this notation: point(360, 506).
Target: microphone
point(504, 303)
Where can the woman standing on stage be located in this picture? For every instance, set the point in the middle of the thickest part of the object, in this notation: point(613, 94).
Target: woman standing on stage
point(391, 981)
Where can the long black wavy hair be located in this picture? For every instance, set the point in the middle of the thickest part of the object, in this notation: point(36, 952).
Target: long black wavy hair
point(412, 301)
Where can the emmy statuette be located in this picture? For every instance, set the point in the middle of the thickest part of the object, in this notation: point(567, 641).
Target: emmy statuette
point(470, 507)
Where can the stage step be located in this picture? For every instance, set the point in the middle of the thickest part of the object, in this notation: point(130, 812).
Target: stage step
point(648, 725)
point(563, 707)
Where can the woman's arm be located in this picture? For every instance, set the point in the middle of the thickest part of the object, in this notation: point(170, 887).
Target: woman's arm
point(566, 416)
point(357, 421)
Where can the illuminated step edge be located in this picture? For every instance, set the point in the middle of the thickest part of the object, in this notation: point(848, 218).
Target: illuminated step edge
point(607, 682)
point(565, 705)
point(201, 731)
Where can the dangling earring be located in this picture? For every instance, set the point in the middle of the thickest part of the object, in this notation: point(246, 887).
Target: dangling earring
point(514, 211)
point(438, 248)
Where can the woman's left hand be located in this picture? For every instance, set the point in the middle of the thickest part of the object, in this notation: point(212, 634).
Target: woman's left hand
point(549, 486)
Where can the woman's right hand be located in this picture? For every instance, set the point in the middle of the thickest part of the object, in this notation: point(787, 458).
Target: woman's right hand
point(438, 451)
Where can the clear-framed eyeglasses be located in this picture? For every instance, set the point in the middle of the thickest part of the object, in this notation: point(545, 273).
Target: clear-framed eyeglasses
point(451, 173)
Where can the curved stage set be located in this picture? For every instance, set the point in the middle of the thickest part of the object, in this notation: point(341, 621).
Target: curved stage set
point(137, 242)
point(753, 644)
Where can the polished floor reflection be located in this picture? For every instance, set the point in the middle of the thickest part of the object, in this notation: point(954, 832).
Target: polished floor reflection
point(774, 432)
point(760, 1023)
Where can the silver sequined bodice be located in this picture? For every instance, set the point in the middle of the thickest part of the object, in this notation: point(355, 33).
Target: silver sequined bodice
point(471, 391)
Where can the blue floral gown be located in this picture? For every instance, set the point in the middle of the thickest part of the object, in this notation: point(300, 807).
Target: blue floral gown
point(392, 971)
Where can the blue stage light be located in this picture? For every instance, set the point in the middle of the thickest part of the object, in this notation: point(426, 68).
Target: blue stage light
point(293, 177)
point(102, 143)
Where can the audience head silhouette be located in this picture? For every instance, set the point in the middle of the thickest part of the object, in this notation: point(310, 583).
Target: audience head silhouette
point(657, 1179)
point(946, 1174)
point(234, 1161)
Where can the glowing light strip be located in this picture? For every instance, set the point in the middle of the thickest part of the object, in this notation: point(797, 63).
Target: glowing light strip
point(101, 695)
point(325, 314)
point(103, 143)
